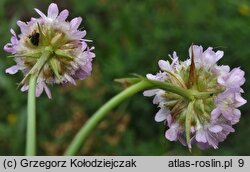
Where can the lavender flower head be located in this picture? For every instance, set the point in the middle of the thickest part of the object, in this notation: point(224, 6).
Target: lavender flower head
point(51, 48)
point(207, 119)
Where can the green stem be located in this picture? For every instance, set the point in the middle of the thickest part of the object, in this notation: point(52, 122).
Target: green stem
point(31, 118)
point(174, 89)
point(85, 131)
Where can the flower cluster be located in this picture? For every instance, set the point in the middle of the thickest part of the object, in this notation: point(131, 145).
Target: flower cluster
point(205, 120)
point(52, 49)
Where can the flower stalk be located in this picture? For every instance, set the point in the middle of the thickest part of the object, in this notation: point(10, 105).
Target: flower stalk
point(89, 126)
point(174, 89)
point(31, 118)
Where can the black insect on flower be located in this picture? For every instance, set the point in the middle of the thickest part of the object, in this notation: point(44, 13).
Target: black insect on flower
point(51, 48)
point(34, 38)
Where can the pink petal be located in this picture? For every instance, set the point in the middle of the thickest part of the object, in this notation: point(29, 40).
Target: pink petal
point(47, 90)
point(219, 55)
point(151, 77)
point(227, 128)
point(69, 79)
point(78, 34)
point(75, 23)
point(14, 40)
point(236, 117)
point(208, 57)
point(24, 88)
point(221, 80)
point(162, 114)
point(227, 113)
point(23, 26)
point(84, 45)
point(164, 65)
point(63, 15)
point(40, 13)
point(240, 100)
point(174, 58)
point(169, 120)
point(12, 70)
point(215, 129)
point(13, 32)
point(215, 113)
point(236, 77)
point(171, 134)
point(197, 50)
point(212, 141)
point(200, 136)
point(39, 89)
point(221, 71)
point(9, 48)
point(53, 11)
point(150, 93)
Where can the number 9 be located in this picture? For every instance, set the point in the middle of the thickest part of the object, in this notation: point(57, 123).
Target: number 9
point(241, 162)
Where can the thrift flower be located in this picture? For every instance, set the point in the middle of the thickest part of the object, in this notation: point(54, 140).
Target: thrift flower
point(51, 48)
point(208, 117)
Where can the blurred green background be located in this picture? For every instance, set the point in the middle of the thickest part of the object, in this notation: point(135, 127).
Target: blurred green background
point(130, 36)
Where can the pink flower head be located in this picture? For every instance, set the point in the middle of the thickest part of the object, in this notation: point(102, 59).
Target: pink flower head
point(204, 120)
point(51, 48)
